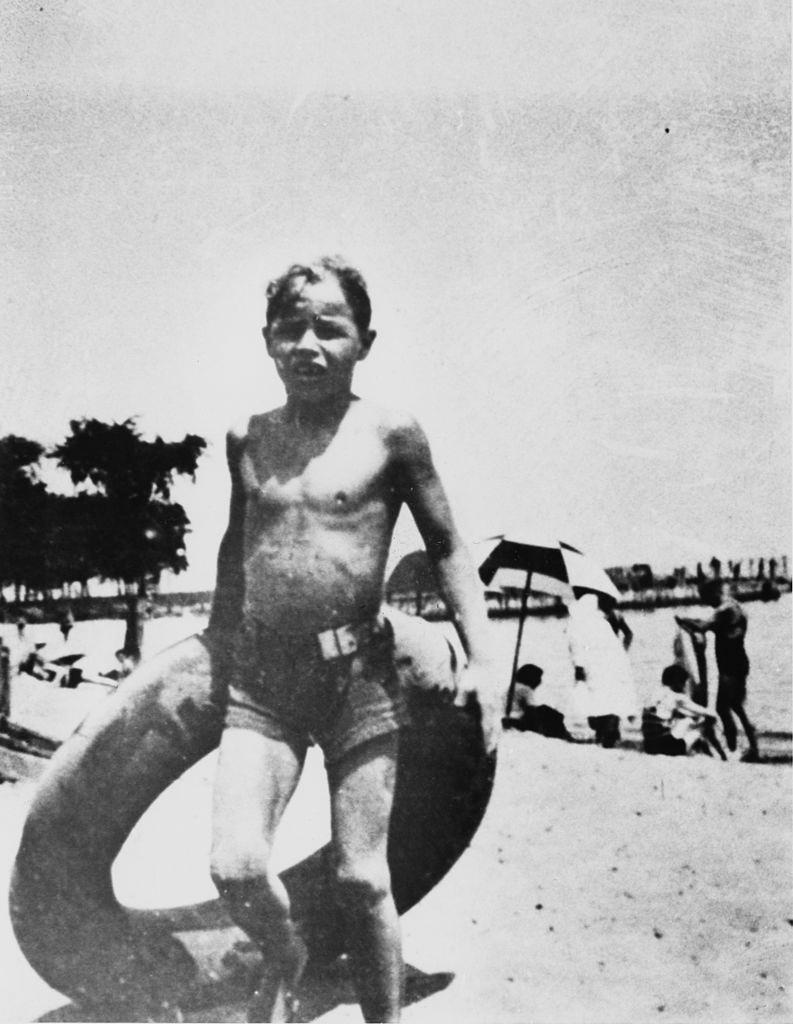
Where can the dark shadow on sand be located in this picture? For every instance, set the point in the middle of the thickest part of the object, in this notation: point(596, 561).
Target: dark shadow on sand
point(330, 986)
point(324, 987)
point(776, 746)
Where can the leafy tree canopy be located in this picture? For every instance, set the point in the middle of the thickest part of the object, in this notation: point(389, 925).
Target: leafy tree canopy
point(19, 462)
point(22, 501)
point(138, 530)
point(121, 464)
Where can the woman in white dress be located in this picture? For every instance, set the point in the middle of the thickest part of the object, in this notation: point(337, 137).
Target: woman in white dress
point(604, 693)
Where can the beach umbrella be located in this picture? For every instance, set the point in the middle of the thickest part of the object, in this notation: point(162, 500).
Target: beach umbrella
point(545, 564)
point(66, 659)
point(86, 668)
point(527, 560)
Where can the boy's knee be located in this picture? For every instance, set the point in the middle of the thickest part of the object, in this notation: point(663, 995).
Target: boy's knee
point(364, 884)
point(235, 868)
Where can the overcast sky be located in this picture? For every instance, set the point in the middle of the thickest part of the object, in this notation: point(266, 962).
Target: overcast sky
point(573, 217)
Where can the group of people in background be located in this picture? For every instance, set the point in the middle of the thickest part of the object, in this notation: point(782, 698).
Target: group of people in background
point(603, 691)
point(681, 717)
point(678, 718)
point(55, 662)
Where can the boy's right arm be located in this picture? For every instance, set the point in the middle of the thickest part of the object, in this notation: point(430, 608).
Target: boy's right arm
point(229, 586)
point(419, 486)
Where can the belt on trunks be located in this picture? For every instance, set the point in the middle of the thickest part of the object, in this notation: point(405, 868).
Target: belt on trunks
point(329, 644)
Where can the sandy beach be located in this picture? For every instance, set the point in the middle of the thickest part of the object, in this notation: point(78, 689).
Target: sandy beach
point(573, 224)
point(602, 886)
point(614, 886)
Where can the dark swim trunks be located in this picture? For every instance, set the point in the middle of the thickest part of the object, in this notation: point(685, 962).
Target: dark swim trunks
point(731, 691)
point(338, 688)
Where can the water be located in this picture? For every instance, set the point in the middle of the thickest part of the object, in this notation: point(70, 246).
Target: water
point(544, 642)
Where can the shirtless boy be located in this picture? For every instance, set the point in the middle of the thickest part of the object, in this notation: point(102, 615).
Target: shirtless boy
point(728, 624)
point(317, 485)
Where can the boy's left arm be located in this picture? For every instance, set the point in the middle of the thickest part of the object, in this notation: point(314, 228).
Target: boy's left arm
point(696, 625)
point(420, 487)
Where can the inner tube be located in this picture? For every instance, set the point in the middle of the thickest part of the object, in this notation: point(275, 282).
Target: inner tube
point(162, 720)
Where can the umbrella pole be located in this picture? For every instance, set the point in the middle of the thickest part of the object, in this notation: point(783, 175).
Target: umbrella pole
point(524, 598)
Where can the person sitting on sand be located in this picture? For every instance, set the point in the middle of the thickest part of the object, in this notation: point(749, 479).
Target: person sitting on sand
point(673, 724)
point(317, 486)
point(728, 623)
point(532, 715)
point(126, 664)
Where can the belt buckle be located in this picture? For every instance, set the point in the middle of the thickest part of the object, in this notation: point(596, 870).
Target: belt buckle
point(337, 643)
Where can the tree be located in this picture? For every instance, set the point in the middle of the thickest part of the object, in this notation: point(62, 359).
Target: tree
point(136, 530)
point(68, 541)
point(22, 503)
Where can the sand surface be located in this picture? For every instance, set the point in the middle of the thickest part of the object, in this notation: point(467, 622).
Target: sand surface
point(602, 886)
point(613, 886)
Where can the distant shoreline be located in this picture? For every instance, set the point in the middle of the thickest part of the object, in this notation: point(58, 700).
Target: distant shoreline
point(432, 608)
point(543, 605)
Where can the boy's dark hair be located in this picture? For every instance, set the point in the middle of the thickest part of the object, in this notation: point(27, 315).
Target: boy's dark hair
point(529, 675)
point(675, 677)
point(351, 282)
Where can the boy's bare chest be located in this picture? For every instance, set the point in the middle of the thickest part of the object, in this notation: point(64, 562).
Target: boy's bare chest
point(335, 474)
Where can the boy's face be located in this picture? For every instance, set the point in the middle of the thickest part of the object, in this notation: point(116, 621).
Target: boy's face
point(315, 341)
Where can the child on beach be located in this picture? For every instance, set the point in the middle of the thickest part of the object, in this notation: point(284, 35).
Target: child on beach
point(534, 716)
point(673, 724)
point(317, 485)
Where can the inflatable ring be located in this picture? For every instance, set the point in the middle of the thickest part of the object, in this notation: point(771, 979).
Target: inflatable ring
point(162, 720)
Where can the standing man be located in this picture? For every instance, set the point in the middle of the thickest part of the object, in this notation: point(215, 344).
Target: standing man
point(728, 624)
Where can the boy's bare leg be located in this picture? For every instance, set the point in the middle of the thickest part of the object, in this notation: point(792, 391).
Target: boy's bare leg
point(724, 711)
point(255, 778)
point(748, 728)
point(710, 736)
point(362, 792)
